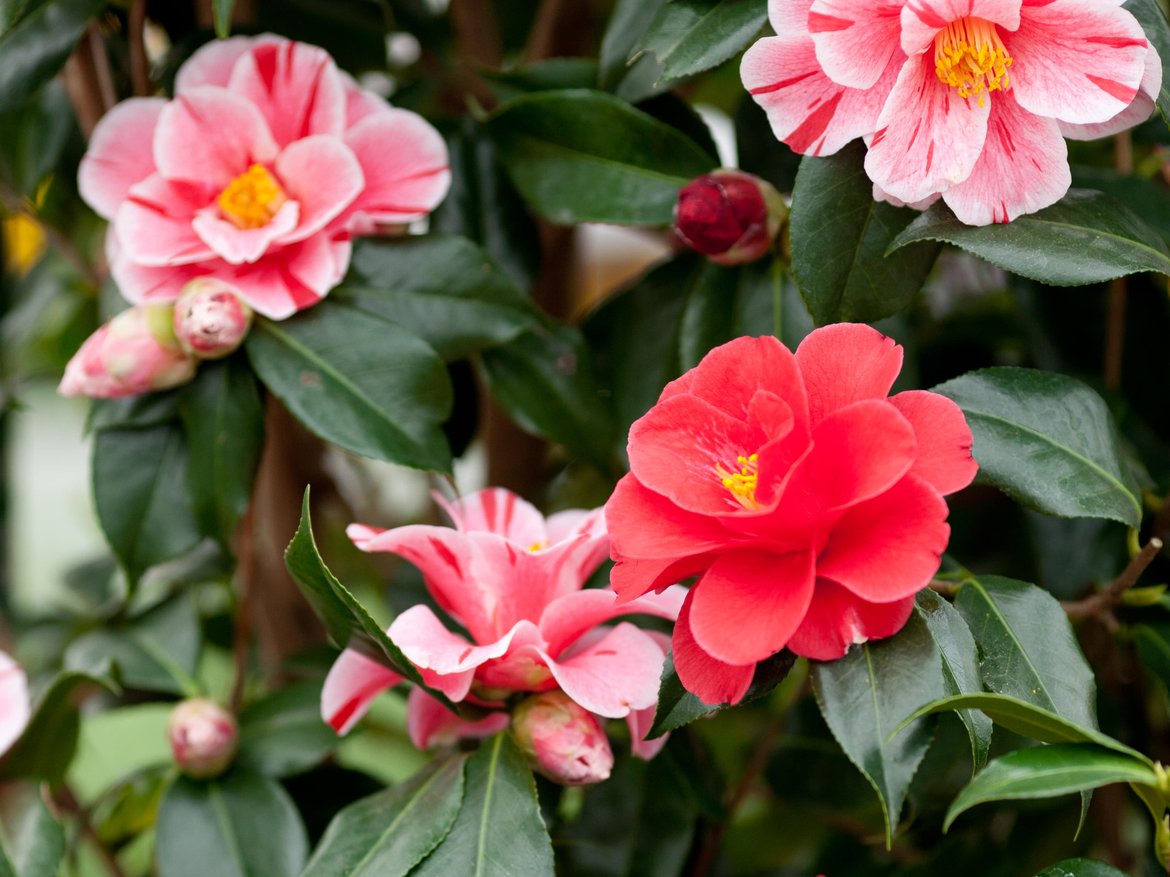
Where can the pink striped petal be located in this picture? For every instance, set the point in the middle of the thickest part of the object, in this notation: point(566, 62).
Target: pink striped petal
point(295, 86)
point(1023, 168)
point(140, 284)
point(351, 686)
point(154, 223)
point(428, 645)
point(837, 619)
point(212, 63)
point(430, 724)
point(1137, 112)
point(928, 138)
point(640, 722)
point(856, 39)
point(572, 522)
point(405, 163)
point(499, 511)
point(845, 363)
point(239, 246)
point(324, 177)
point(119, 154)
point(748, 604)
point(568, 617)
point(617, 673)
point(359, 102)
point(944, 440)
point(14, 703)
point(923, 19)
point(789, 17)
point(291, 278)
point(209, 136)
point(1076, 60)
point(709, 679)
point(806, 109)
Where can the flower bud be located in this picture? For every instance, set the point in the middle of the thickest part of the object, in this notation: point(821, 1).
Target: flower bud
point(211, 320)
point(729, 216)
point(562, 740)
point(135, 352)
point(203, 738)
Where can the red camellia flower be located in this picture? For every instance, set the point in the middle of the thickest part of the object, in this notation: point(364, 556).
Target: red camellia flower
point(809, 503)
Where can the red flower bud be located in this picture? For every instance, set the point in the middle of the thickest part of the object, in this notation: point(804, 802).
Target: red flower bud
point(211, 320)
point(729, 216)
point(203, 737)
point(562, 740)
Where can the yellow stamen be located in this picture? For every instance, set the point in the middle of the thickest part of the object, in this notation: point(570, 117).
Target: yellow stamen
point(251, 199)
point(970, 57)
point(742, 484)
point(535, 546)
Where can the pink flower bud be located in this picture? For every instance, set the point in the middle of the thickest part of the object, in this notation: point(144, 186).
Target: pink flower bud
point(135, 352)
point(211, 320)
point(562, 740)
point(729, 216)
point(203, 738)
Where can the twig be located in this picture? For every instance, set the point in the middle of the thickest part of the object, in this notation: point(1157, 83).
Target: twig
point(1102, 603)
point(101, 67)
point(67, 801)
point(139, 71)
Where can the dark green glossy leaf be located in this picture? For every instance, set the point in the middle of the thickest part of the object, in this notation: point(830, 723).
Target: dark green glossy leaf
point(222, 10)
point(1048, 771)
point(586, 156)
point(544, 380)
point(133, 412)
point(140, 490)
point(690, 36)
point(499, 831)
point(38, 46)
point(840, 236)
point(1085, 238)
point(130, 807)
point(1150, 203)
point(960, 666)
point(1153, 21)
point(442, 288)
point(32, 842)
point(34, 137)
point(1081, 868)
point(627, 25)
point(551, 74)
point(239, 825)
point(157, 651)
point(1047, 441)
point(358, 381)
point(223, 417)
point(283, 734)
point(389, 833)
point(1027, 647)
point(864, 697)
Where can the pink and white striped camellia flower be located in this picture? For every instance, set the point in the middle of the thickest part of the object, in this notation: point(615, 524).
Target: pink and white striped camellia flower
point(514, 581)
point(258, 173)
point(967, 99)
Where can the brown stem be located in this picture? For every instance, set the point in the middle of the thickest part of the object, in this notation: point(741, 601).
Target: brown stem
point(66, 801)
point(82, 86)
point(101, 67)
point(478, 46)
point(1102, 603)
point(139, 71)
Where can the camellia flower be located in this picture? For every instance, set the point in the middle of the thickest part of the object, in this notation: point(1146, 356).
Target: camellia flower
point(514, 582)
point(729, 216)
point(809, 503)
point(14, 703)
point(967, 99)
point(268, 160)
point(133, 353)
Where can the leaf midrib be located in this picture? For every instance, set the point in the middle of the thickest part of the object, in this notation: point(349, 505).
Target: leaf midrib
point(485, 817)
point(402, 814)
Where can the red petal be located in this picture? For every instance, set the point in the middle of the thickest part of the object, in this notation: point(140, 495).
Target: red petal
point(711, 680)
point(845, 363)
point(836, 619)
point(944, 439)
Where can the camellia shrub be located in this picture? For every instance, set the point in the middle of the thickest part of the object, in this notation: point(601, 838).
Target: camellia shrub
point(755, 412)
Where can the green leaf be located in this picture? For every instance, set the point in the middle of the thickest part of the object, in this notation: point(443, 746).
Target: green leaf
point(1152, 18)
point(38, 46)
point(960, 666)
point(840, 236)
point(222, 10)
point(239, 825)
point(359, 381)
point(223, 417)
point(1081, 868)
point(627, 26)
point(1153, 648)
point(282, 734)
point(690, 36)
point(140, 490)
point(133, 412)
point(550, 74)
point(1028, 648)
point(1047, 441)
point(586, 156)
point(1085, 238)
point(866, 694)
point(157, 651)
point(34, 137)
point(46, 748)
point(499, 831)
point(1048, 771)
point(387, 834)
point(32, 842)
point(442, 288)
point(544, 380)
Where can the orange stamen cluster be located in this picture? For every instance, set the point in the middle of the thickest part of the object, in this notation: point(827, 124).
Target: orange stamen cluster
point(252, 198)
point(742, 484)
point(970, 57)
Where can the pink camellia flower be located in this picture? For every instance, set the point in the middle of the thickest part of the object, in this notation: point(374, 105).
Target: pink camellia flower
point(561, 740)
point(210, 319)
point(729, 216)
point(514, 582)
point(967, 99)
point(258, 173)
point(14, 703)
point(133, 353)
point(203, 737)
point(809, 503)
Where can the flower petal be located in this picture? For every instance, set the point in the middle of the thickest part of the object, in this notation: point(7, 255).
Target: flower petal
point(119, 154)
point(944, 439)
point(845, 363)
point(141, 284)
point(614, 675)
point(291, 278)
point(430, 724)
point(499, 511)
point(748, 603)
point(568, 617)
point(709, 679)
point(640, 722)
point(730, 375)
point(837, 619)
point(351, 686)
point(1139, 109)
point(154, 223)
point(213, 62)
point(15, 708)
point(855, 39)
point(428, 645)
point(323, 176)
point(923, 19)
point(239, 246)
